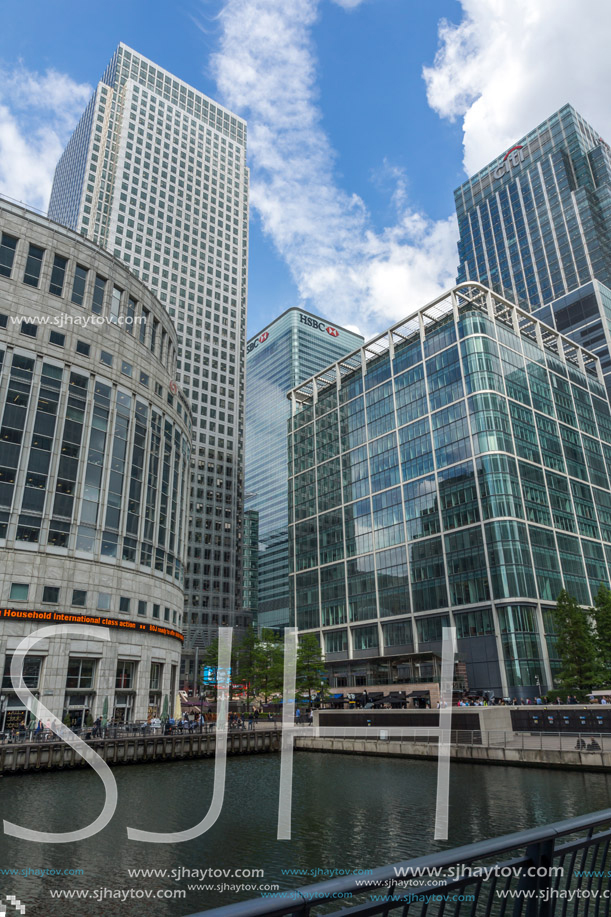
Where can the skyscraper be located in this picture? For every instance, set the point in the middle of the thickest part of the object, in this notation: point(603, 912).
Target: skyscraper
point(156, 173)
point(287, 351)
point(535, 225)
point(455, 469)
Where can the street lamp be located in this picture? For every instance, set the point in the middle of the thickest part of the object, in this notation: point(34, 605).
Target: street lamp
point(3, 703)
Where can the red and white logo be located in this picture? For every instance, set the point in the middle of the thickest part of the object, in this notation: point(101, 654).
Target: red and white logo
point(264, 337)
point(332, 331)
point(173, 387)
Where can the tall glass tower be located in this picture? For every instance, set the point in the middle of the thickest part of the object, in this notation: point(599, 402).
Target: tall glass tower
point(455, 469)
point(283, 354)
point(156, 173)
point(535, 225)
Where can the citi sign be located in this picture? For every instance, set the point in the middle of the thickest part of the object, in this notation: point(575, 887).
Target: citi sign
point(260, 340)
point(512, 157)
point(318, 326)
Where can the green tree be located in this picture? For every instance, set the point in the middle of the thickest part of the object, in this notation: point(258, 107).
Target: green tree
point(576, 647)
point(310, 666)
point(246, 660)
point(268, 664)
point(602, 619)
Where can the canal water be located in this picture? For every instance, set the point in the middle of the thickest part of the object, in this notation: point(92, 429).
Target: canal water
point(349, 813)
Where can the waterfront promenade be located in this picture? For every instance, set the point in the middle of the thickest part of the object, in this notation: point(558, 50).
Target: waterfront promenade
point(129, 748)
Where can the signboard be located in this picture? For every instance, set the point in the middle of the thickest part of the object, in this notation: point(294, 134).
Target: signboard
point(513, 157)
point(58, 617)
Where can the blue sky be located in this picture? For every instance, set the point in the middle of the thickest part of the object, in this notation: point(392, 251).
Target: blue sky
point(363, 117)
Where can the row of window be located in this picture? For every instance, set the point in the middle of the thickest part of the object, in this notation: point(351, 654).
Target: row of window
point(20, 592)
point(120, 308)
point(82, 672)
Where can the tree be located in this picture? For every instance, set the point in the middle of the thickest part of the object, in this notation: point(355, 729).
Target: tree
point(576, 647)
point(602, 618)
point(310, 666)
point(246, 659)
point(268, 664)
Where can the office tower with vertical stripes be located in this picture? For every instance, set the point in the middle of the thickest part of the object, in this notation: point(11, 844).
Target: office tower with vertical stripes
point(156, 173)
point(535, 225)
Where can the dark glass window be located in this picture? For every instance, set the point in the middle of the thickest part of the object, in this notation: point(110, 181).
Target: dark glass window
point(97, 302)
point(29, 328)
point(79, 597)
point(78, 285)
point(56, 338)
point(58, 275)
point(33, 265)
point(7, 254)
point(82, 347)
point(50, 594)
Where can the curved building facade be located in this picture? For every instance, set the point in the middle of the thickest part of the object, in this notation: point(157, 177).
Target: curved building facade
point(94, 476)
point(456, 470)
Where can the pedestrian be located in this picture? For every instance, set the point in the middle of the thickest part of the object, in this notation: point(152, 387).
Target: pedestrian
point(251, 721)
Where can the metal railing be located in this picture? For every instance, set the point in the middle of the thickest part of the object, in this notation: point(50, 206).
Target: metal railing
point(90, 733)
point(531, 873)
point(553, 741)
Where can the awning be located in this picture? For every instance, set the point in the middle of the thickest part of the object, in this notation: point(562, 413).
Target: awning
point(420, 694)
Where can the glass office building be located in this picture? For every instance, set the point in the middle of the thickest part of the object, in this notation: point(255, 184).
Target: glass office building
point(455, 469)
point(156, 173)
point(535, 225)
point(284, 353)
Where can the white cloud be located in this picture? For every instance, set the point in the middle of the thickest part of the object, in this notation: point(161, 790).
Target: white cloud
point(266, 70)
point(510, 63)
point(37, 115)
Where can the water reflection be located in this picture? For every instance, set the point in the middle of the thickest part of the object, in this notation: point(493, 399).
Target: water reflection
point(348, 813)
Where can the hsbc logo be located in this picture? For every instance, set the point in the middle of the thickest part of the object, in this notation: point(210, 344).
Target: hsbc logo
point(318, 326)
point(513, 157)
point(260, 340)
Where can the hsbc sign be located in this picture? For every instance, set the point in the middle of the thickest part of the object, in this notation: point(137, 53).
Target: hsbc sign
point(260, 340)
point(513, 157)
point(312, 322)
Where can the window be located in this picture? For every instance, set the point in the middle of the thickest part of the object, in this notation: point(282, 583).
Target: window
point(8, 244)
point(82, 347)
point(29, 328)
point(19, 592)
point(115, 304)
point(166, 614)
point(106, 358)
point(80, 673)
point(104, 601)
point(156, 676)
point(58, 274)
point(126, 674)
point(78, 285)
point(141, 607)
point(79, 597)
point(97, 302)
point(144, 379)
point(124, 604)
point(33, 265)
point(126, 368)
point(50, 594)
point(56, 338)
point(31, 672)
point(156, 609)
